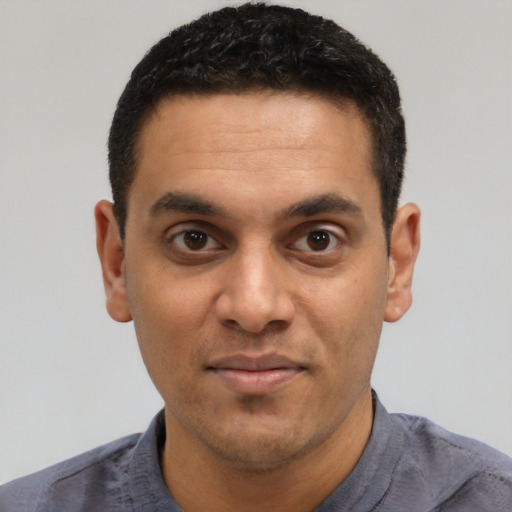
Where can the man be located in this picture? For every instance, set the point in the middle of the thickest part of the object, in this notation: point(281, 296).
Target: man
point(256, 157)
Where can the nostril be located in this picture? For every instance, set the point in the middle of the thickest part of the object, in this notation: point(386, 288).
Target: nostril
point(231, 324)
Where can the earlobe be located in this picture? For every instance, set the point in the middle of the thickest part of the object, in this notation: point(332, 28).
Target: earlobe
point(110, 251)
point(405, 244)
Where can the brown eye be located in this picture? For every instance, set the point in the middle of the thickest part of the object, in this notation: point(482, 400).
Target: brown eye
point(195, 240)
point(318, 240)
point(189, 241)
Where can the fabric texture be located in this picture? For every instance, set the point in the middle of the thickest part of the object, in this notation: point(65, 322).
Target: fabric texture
point(409, 465)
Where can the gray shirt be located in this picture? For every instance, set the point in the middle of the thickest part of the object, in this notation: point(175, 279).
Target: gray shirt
point(409, 465)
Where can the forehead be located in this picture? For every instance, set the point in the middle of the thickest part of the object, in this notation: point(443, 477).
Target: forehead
point(183, 118)
point(253, 143)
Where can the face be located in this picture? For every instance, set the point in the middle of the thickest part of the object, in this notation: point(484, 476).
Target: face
point(255, 270)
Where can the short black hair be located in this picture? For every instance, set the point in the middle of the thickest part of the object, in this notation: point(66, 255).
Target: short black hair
point(257, 46)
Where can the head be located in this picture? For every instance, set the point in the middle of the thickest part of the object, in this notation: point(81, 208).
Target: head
point(256, 155)
point(258, 47)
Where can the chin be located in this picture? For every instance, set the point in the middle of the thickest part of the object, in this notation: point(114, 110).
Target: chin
point(264, 449)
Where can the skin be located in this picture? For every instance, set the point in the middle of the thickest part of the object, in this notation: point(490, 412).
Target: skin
point(254, 233)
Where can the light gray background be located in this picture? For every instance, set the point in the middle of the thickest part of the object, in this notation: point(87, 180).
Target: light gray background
point(70, 378)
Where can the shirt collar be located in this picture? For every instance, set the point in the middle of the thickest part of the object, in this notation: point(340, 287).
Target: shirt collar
point(359, 492)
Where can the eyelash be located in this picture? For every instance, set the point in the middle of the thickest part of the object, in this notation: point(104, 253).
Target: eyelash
point(181, 235)
point(333, 241)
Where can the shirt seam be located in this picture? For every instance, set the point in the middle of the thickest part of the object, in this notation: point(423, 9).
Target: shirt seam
point(43, 498)
point(465, 484)
point(379, 504)
point(439, 435)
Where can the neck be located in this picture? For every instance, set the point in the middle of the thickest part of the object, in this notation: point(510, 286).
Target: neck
point(200, 480)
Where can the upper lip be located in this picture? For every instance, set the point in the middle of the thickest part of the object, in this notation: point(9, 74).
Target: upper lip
point(254, 364)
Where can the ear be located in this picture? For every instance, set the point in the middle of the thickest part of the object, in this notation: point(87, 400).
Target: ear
point(111, 253)
point(405, 244)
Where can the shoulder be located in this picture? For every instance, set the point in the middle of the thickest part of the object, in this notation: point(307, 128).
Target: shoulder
point(461, 473)
point(430, 442)
point(31, 493)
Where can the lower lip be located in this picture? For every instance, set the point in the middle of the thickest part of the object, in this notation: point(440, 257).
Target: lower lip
point(256, 382)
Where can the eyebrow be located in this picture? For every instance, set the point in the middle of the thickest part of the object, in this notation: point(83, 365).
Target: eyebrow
point(323, 204)
point(177, 202)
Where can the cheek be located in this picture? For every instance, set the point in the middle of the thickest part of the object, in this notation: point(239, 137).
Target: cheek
point(350, 301)
point(346, 314)
point(166, 300)
point(170, 319)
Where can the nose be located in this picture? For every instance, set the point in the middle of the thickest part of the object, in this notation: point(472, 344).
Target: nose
point(255, 294)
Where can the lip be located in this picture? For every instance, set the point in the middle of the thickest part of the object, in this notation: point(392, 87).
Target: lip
point(255, 375)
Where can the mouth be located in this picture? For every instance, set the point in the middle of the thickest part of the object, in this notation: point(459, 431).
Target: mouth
point(255, 375)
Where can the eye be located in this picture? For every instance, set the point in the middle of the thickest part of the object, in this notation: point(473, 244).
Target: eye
point(195, 240)
point(318, 240)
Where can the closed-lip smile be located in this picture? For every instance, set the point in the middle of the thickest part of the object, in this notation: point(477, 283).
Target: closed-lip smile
point(255, 375)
